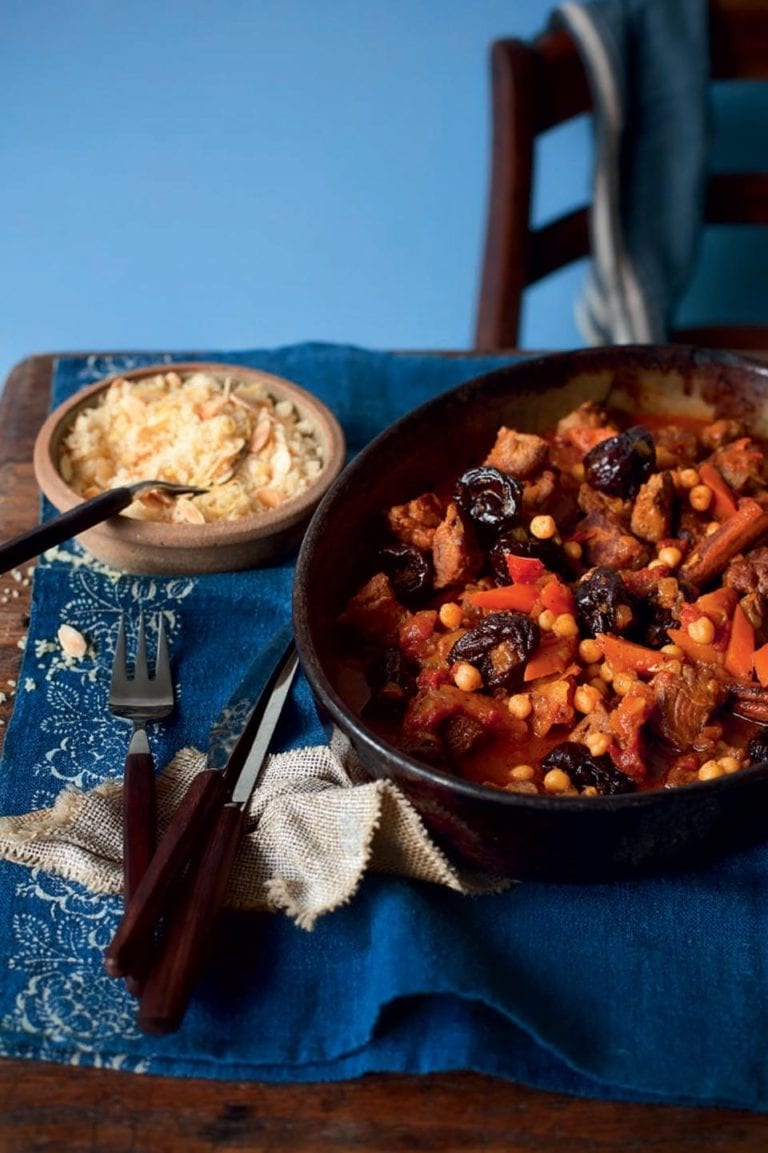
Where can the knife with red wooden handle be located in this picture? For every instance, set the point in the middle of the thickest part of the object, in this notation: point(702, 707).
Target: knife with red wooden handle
point(188, 874)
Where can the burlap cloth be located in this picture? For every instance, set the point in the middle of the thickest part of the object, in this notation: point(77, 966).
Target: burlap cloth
point(315, 825)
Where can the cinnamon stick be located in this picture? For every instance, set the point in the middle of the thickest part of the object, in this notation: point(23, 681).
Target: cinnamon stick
point(714, 553)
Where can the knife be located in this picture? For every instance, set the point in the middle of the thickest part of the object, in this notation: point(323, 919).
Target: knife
point(201, 838)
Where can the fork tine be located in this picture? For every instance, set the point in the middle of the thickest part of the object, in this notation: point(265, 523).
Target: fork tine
point(163, 680)
point(140, 671)
point(118, 663)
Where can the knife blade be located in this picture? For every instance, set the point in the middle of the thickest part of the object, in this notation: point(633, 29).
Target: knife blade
point(233, 737)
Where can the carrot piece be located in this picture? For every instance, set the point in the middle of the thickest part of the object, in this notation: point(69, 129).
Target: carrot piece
point(524, 569)
point(517, 597)
point(760, 665)
point(724, 502)
point(701, 654)
point(623, 655)
point(719, 604)
point(741, 645)
point(557, 597)
point(552, 656)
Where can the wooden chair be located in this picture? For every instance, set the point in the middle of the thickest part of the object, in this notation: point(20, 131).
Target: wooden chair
point(536, 86)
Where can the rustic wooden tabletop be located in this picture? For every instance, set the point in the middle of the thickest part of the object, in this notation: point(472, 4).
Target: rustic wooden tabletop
point(56, 1107)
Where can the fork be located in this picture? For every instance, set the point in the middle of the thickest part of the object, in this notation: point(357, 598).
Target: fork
point(140, 699)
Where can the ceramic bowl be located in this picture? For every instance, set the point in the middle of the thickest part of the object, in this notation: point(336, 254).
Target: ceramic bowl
point(148, 547)
point(566, 838)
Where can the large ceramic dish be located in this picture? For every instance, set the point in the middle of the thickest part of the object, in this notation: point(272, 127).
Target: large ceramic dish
point(140, 546)
point(560, 838)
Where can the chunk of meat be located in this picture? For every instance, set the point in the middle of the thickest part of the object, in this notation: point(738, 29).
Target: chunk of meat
point(521, 454)
point(684, 704)
point(552, 702)
point(742, 464)
point(654, 508)
point(375, 612)
point(455, 553)
point(749, 576)
point(721, 432)
point(454, 717)
point(414, 523)
point(749, 573)
point(607, 544)
point(585, 426)
point(675, 447)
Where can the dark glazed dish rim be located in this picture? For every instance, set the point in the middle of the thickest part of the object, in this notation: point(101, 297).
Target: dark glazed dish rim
point(662, 358)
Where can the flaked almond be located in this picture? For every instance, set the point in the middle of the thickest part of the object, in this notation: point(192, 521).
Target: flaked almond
point(269, 497)
point(261, 434)
point(73, 643)
point(187, 512)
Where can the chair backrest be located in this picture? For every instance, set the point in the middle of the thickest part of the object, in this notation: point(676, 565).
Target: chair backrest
point(536, 86)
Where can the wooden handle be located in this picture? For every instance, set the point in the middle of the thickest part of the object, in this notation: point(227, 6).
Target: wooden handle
point(139, 838)
point(171, 980)
point(182, 841)
point(139, 819)
point(64, 527)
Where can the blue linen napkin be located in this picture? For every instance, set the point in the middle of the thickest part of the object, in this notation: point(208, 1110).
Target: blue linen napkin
point(648, 66)
point(652, 990)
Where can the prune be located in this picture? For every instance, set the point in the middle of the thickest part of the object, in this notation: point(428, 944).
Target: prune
point(498, 647)
point(518, 542)
point(588, 771)
point(757, 747)
point(392, 681)
point(598, 596)
point(389, 666)
point(656, 620)
point(490, 498)
point(619, 465)
point(410, 570)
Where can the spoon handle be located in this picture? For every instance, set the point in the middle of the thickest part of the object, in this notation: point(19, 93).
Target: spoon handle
point(63, 527)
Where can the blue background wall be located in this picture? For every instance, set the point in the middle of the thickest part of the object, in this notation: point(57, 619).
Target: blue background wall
point(191, 175)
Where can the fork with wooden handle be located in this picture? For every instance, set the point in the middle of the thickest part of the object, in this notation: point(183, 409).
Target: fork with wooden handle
point(141, 699)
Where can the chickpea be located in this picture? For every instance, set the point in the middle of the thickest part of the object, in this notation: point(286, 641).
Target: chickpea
point(688, 477)
point(710, 770)
point(598, 743)
point(565, 625)
point(670, 556)
point(585, 698)
point(701, 631)
point(590, 652)
point(523, 773)
point(543, 527)
point(466, 677)
point(623, 682)
point(556, 781)
point(700, 497)
point(520, 705)
point(547, 620)
point(573, 549)
point(451, 615)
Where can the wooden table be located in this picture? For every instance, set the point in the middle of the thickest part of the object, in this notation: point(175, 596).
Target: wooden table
point(56, 1107)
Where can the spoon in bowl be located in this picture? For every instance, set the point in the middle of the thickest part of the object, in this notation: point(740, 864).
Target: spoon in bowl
point(76, 520)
